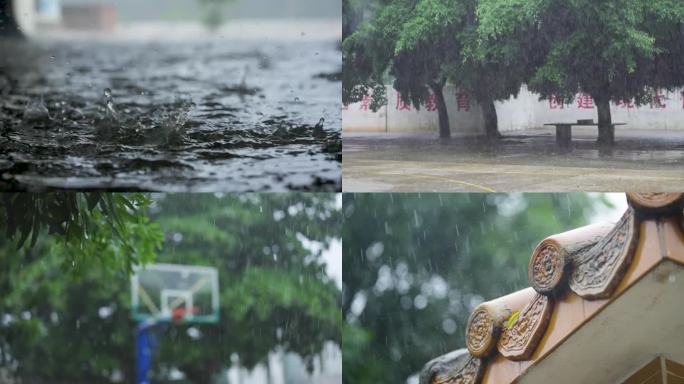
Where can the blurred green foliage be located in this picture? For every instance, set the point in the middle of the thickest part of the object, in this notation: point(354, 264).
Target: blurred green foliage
point(114, 227)
point(214, 12)
point(57, 327)
point(415, 265)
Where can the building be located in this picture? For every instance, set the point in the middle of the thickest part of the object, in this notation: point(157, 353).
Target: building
point(605, 306)
point(289, 368)
point(665, 112)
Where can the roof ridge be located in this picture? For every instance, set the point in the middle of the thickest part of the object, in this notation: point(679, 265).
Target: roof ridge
point(589, 261)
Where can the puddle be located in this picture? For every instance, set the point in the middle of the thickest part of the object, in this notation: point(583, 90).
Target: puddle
point(192, 116)
point(638, 149)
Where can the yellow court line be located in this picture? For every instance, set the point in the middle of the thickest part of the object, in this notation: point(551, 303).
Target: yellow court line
point(562, 171)
point(482, 187)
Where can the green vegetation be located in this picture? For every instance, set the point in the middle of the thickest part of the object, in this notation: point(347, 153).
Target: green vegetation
point(616, 50)
point(421, 262)
point(77, 327)
point(112, 226)
point(214, 12)
point(422, 45)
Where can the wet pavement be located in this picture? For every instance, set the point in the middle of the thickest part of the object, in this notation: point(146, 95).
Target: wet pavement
point(521, 161)
point(180, 116)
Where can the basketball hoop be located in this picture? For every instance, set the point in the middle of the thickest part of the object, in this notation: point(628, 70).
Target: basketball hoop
point(163, 295)
point(169, 292)
point(178, 314)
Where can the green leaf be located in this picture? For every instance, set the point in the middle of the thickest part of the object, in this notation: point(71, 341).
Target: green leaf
point(512, 320)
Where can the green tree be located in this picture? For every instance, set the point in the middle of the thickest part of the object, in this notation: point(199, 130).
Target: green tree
point(273, 291)
point(214, 12)
point(64, 328)
point(415, 265)
point(616, 50)
point(423, 44)
point(352, 15)
point(385, 45)
point(52, 286)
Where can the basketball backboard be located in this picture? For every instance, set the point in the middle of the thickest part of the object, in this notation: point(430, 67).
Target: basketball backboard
point(175, 292)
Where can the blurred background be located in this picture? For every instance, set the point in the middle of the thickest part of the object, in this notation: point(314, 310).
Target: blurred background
point(416, 265)
point(171, 95)
point(65, 291)
point(45, 18)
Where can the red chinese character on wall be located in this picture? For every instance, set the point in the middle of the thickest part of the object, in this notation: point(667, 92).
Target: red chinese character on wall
point(365, 102)
point(401, 106)
point(657, 101)
point(625, 104)
point(585, 101)
point(556, 102)
point(462, 101)
point(431, 103)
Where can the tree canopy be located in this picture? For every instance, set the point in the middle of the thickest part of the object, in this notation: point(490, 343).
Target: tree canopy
point(611, 51)
point(422, 45)
point(415, 265)
point(274, 291)
point(616, 50)
point(113, 226)
point(410, 40)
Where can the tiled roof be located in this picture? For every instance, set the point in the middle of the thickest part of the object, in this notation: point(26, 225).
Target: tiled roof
point(575, 271)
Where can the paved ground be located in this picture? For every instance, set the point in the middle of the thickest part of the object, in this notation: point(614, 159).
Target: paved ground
point(523, 161)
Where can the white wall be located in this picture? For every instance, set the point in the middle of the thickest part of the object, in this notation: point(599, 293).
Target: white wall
point(522, 112)
point(25, 15)
point(397, 117)
point(289, 368)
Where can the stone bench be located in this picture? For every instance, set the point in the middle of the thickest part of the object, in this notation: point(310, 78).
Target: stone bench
point(564, 131)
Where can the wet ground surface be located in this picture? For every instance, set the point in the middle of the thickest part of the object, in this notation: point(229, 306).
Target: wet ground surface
point(200, 116)
point(523, 161)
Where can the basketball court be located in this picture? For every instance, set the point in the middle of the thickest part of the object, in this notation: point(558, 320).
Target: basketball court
point(523, 161)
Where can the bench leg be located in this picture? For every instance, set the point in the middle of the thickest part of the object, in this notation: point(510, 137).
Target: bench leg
point(564, 135)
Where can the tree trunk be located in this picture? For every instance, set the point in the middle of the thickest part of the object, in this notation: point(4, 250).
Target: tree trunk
point(269, 377)
point(444, 130)
point(606, 130)
point(200, 373)
point(490, 119)
point(197, 377)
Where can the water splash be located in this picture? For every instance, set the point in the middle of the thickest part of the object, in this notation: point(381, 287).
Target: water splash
point(110, 109)
point(107, 127)
point(318, 131)
point(36, 111)
point(281, 132)
point(171, 130)
point(243, 82)
point(238, 137)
